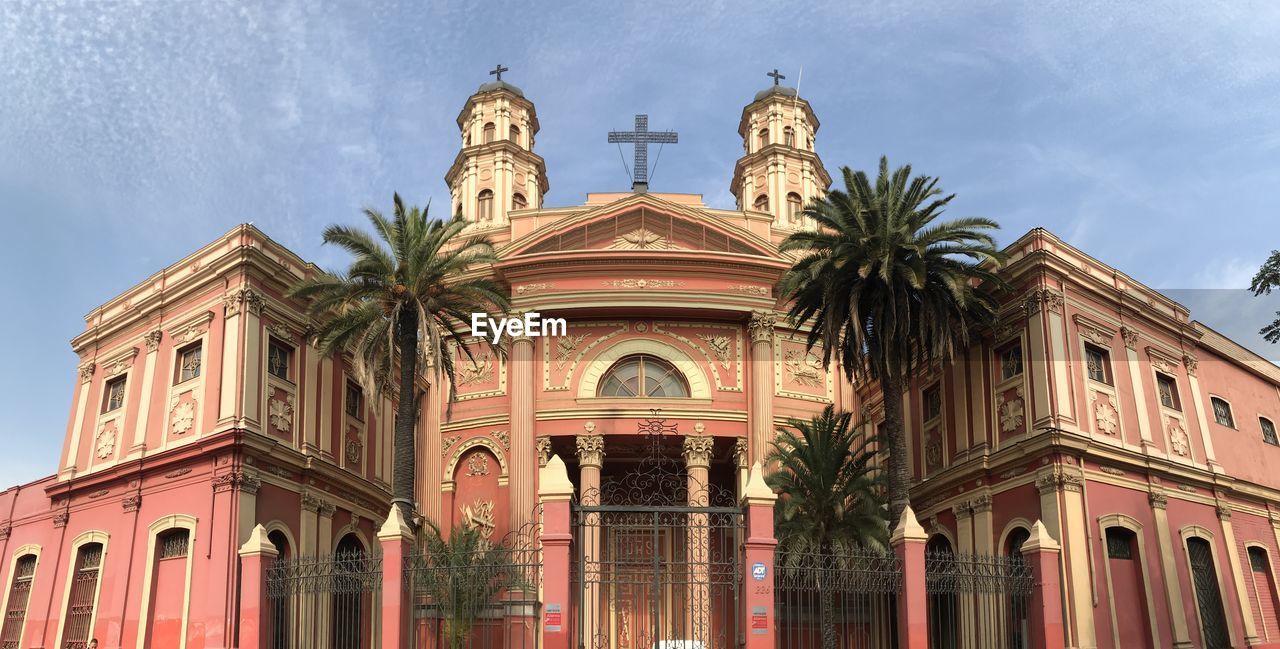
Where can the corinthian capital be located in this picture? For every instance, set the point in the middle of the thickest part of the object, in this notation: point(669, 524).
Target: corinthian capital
point(591, 450)
point(697, 451)
point(761, 326)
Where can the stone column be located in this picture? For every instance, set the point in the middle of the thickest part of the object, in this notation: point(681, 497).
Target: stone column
point(742, 460)
point(908, 541)
point(308, 547)
point(324, 547)
point(555, 491)
point(967, 603)
point(759, 626)
point(590, 460)
point(523, 458)
point(1237, 576)
point(396, 540)
point(761, 398)
point(697, 457)
point(1067, 484)
point(256, 556)
point(82, 403)
point(1169, 570)
point(1044, 623)
point(152, 342)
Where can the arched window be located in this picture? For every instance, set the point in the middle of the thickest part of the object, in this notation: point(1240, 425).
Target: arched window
point(280, 605)
point(794, 206)
point(1263, 589)
point(84, 591)
point(514, 134)
point(1204, 578)
point(1013, 542)
point(763, 138)
point(1222, 412)
point(485, 201)
point(762, 203)
point(350, 601)
point(518, 202)
point(490, 132)
point(1268, 431)
point(643, 376)
point(788, 136)
point(15, 612)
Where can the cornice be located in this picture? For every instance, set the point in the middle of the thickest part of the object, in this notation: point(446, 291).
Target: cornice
point(762, 156)
point(498, 145)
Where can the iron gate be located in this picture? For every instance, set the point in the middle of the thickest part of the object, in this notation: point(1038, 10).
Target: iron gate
point(656, 559)
point(977, 598)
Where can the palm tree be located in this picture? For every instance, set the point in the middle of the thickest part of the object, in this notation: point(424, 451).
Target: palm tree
point(889, 289)
point(405, 295)
point(831, 489)
point(830, 502)
point(463, 575)
point(1267, 279)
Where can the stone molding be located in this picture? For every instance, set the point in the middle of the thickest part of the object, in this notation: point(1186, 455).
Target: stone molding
point(590, 450)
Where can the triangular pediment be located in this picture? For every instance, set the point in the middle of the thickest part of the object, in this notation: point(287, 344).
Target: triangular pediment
point(643, 223)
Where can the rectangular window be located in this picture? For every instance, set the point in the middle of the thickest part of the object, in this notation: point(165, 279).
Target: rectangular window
point(1010, 362)
point(1268, 431)
point(355, 399)
point(279, 359)
point(1168, 389)
point(113, 396)
point(189, 362)
point(932, 403)
point(84, 589)
point(1222, 412)
point(1099, 364)
point(15, 613)
point(173, 544)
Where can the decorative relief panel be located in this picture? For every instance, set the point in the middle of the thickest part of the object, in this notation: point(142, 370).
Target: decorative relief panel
point(482, 374)
point(798, 372)
point(558, 371)
point(719, 345)
point(182, 415)
point(1011, 411)
point(105, 441)
point(280, 413)
point(1178, 439)
point(1105, 416)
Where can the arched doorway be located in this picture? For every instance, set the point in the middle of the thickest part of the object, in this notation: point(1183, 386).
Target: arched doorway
point(280, 621)
point(350, 602)
point(942, 600)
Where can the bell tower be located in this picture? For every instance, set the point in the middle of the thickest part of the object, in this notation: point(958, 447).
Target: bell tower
point(779, 171)
point(496, 172)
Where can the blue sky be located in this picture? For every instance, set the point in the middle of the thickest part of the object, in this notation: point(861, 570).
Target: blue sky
point(131, 133)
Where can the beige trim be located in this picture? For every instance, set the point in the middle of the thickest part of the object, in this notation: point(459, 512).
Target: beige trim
point(85, 538)
point(1257, 592)
point(470, 444)
point(1242, 593)
point(170, 522)
point(1172, 582)
point(1128, 522)
point(1195, 531)
point(22, 551)
point(1013, 524)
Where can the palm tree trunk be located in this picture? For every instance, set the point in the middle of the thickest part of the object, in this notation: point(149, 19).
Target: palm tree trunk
point(899, 460)
point(404, 460)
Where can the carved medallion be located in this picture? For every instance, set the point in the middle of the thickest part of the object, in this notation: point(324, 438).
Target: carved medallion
point(1106, 417)
point(105, 443)
point(1011, 413)
point(478, 464)
point(182, 416)
point(280, 413)
point(1178, 439)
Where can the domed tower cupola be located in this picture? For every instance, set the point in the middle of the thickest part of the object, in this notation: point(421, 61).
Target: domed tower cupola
point(779, 171)
point(496, 172)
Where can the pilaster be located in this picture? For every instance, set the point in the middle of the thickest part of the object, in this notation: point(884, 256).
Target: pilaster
point(1169, 570)
point(760, 328)
point(523, 458)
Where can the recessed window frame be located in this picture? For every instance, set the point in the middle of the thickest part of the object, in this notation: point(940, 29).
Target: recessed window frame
point(484, 205)
point(931, 402)
point(1004, 355)
point(1105, 375)
point(1268, 429)
point(273, 345)
point(1175, 400)
point(353, 400)
point(761, 203)
point(113, 393)
point(181, 374)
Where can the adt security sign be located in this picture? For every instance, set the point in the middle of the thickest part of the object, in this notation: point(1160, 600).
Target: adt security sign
point(759, 571)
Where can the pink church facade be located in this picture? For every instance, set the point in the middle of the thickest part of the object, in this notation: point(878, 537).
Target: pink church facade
point(1138, 436)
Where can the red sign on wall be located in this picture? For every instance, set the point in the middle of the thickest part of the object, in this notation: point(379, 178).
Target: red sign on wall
point(552, 623)
point(759, 620)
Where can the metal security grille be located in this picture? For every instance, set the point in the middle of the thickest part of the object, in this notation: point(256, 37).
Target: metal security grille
point(980, 599)
point(656, 559)
point(84, 590)
point(16, 611)
point(482, 598)
point(1213, 620)
point(338, 594)
point(844, 598)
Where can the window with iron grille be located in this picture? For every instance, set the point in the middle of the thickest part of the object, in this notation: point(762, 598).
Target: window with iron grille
point(1222, 412)
point(279, 359)
point(1098, 363)
point(113, 394)
point(15, 613)
point(1119, 543)
point(77, 625)
point(173, 544)
point(189, 362)
point(1168, 389)
point(1268, 431)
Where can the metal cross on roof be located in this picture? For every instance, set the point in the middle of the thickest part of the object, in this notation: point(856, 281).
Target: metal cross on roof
point(498, 71)
point(641, 137)
point(776, 76)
